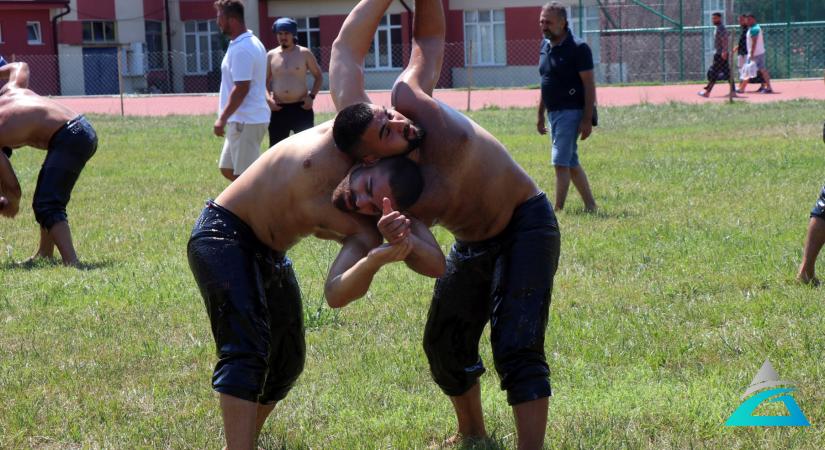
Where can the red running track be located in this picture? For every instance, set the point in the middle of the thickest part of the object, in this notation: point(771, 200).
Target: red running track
point(162, 105)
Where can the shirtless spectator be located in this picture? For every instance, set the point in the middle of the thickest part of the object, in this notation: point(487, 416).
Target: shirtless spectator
point(286, 81)
point(69, 139)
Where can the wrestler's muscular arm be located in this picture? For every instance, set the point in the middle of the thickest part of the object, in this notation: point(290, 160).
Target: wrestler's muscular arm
point(427, 54)
point(346, 72)
point(10, 192)
point(15, 74)
point(356, 264)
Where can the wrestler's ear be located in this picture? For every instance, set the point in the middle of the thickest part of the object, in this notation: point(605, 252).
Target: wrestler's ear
point(369, 160)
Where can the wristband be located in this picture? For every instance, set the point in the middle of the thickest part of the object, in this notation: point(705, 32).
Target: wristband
point(312, 96)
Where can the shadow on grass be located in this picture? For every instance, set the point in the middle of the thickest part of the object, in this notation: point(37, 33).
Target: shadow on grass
point(600, 213)
point(47, 263)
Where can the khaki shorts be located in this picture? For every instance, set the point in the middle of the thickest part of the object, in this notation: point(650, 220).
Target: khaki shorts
point(242, 145)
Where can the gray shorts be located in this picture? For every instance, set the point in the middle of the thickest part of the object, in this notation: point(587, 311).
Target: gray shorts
point(760, 61)
point(242, 145)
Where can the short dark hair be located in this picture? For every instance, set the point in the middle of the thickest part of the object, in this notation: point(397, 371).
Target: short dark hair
point(750, 15)
point(230, 8)
point(556, 8)
point(406, 181)
point(717, 14)
point(350, 124)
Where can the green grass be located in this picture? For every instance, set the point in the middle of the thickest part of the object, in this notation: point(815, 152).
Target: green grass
point(666, 302)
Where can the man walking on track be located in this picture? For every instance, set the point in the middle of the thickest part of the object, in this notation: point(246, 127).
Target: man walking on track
point(719, 69)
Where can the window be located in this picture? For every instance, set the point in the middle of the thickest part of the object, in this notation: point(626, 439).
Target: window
point(708, 8)
point(154, 44)
point(204, 49)
point(590, 25)
point(98, 31)
point(385, 51)
point(33, 30)
point(309, 35)
point(484, 40)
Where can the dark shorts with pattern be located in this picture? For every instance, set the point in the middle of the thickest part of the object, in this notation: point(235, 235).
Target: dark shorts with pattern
point(508, 281)
point(254, 306)
point(819, 206)
point(291, 117)
point(69, 149)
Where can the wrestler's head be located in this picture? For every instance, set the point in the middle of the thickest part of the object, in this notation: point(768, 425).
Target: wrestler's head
point(363, 189)
point(368, 132)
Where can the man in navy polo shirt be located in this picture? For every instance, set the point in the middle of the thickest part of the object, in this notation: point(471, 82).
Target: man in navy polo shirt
point(569, 93)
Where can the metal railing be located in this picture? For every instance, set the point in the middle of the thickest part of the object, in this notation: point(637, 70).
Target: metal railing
point(635, 55)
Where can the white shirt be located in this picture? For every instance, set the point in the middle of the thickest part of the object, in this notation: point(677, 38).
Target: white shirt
point(760, 40)
point(245, 60)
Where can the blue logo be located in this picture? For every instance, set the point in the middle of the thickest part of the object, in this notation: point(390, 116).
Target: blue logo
point(768, 378)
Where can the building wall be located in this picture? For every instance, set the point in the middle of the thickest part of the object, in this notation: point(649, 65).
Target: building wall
point(40, 57)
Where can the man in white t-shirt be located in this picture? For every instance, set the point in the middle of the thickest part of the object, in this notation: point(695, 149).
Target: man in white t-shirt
point(243, 115)
point(756, 53)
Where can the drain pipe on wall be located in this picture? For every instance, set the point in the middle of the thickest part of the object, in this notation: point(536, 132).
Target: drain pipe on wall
point(54, 41)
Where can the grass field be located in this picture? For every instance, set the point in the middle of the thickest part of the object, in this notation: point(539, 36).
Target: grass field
point(666, 302)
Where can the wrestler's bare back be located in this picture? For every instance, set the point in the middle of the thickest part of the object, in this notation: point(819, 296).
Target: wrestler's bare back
point(29, 119)
point(286, 194)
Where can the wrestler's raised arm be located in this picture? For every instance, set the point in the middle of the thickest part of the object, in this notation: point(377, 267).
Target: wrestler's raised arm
point(15, 74)
point(427, 55)
point(346, 68)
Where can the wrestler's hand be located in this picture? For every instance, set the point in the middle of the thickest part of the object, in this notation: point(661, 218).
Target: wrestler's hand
point(390, 253)
point(393, 225)
point(8, 208)
point(219, 126)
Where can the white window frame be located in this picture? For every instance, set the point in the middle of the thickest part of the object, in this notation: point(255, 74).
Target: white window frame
point(591, 22)
point(387, 27)
point(212, 28)
point(476, 27)
point(305, 30)
point(708, 8)
point(38, 32)
point(102, 23)
point(150, 58)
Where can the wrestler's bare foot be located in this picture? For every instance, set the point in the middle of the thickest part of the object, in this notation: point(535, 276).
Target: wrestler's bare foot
point(457, 440)
point(809, 279)
point(36, 258)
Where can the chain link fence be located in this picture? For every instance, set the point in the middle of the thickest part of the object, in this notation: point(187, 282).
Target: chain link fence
point(628, 45)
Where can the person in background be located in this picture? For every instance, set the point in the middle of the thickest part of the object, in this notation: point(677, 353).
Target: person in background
point(568, 91)
point(243, 113)
point(756, 52)
point(720, 69)
point(286, 83)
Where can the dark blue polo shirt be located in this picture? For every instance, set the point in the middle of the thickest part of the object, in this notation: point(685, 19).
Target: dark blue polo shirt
point(561, 85)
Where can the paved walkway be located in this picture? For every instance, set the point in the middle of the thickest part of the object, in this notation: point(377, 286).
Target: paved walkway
point(162, 105)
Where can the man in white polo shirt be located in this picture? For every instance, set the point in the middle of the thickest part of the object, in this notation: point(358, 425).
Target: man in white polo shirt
point(243, 115)
point(756, 53)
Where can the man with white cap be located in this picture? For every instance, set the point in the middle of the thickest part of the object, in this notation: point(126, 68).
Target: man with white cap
point(287, 67)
